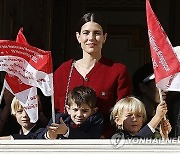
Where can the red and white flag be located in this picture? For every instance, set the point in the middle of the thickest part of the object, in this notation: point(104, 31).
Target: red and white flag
point(27, 95)
point(28, 67)
point(165, 62)
point(31, 65)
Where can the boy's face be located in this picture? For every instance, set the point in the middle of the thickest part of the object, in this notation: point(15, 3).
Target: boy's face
point(79, 114)
point(131, 122)
point(23, 119)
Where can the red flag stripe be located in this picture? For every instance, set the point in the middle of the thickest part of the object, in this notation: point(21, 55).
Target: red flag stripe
point(39, 59)
point(164, 59)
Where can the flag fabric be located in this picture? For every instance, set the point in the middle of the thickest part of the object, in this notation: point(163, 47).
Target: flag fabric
point(26, 94)
point(31, 65)
point(175, 83)
point(27, 68)
point(165, 62)
point(21, 38)
point(177, 52)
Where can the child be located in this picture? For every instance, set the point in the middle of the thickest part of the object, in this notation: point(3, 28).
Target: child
point(129, 115)
point(28, 129)
point(82, 121)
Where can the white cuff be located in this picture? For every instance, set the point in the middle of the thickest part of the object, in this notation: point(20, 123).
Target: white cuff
point(67, 134)
point(152, 129)
point(46, 136)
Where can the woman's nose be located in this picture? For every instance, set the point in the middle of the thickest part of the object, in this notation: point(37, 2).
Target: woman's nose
point(91, 36)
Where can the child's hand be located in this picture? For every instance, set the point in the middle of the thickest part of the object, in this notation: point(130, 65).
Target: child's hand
point(161, 110)
point(55, 129)
point(51, 134)
point(165, 128)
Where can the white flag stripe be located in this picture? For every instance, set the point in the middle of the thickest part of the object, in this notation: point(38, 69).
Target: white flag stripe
point(29, 75)
point(177, 52)
point(2, 92)
point(171, 83)
point(28, 99)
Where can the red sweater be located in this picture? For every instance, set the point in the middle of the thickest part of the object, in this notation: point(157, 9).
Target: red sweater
point(110, 81)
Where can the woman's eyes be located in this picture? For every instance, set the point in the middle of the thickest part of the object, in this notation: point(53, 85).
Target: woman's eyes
point(95, 33)
point(98, 33)
point(85, 32)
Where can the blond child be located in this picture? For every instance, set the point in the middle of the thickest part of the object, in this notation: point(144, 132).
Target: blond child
point(28, 129)
point(129, 115)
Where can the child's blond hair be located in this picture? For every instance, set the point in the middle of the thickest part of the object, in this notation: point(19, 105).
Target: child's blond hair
point(129, 103)
point(15, 106)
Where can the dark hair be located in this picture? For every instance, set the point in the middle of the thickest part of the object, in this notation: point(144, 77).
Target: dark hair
point(92, 17)
point(82, 94)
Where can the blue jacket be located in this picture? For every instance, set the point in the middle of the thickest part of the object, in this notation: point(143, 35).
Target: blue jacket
point(90, 129)
point(31, 135)
point(145, 132)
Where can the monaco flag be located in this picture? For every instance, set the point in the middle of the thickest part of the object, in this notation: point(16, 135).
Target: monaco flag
point(31, 65)
point(165, 62)
point(27, 68)
point(24, 93)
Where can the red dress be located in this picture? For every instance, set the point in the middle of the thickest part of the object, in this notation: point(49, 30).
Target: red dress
point(110, 81)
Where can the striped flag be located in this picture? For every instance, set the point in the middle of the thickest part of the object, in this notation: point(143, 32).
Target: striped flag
point(165, 62)
point(27, 67)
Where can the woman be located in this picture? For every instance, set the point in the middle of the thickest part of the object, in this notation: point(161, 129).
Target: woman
point(110, 80)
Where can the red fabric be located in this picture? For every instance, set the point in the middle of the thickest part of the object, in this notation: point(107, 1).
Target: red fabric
point(164, 59)
point(31, 65)
point(110, 80)
point(15, 84)
point(39, 59)
point(21, 38)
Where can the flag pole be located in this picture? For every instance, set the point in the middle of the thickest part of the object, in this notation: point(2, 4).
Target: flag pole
point(2, 92)
point(161, 100)
point(52, 101)
point(53, 111)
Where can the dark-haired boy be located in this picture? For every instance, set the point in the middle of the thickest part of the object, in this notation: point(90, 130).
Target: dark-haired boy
point(82, 121)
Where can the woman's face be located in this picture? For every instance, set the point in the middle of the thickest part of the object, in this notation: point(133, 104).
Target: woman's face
point(91, 38)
